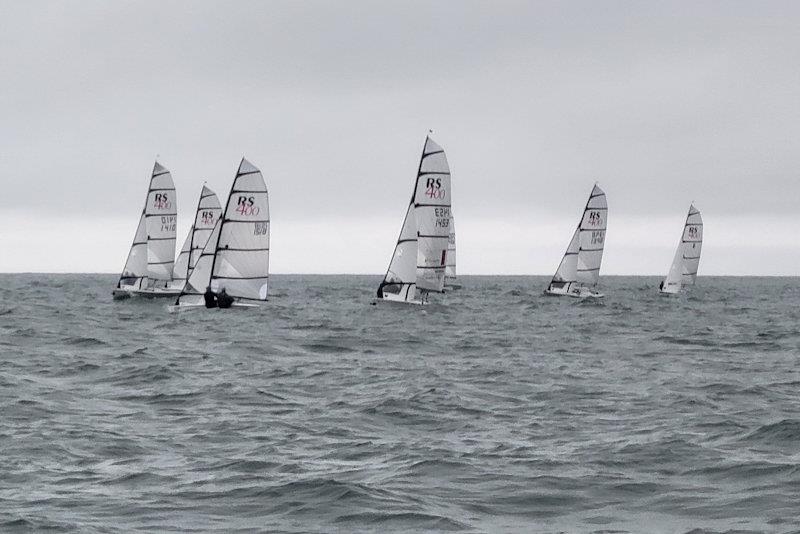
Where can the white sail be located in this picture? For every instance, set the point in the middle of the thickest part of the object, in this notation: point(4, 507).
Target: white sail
point(432, 211)
point(152, 252)
point(236, 255)
point(206, 215)
point(420, 257)
point(161, 223)
point(200, 277)
point(181, 269)
point(400, 282)
point(580, 266)
point(450, 270)
point(208, 212)
point(683, 271)
point(134, 274)
point(592, 238)
point(566, 273)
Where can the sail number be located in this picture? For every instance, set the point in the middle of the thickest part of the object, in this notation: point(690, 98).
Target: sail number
point(261, 228)
point(598, 236)
point(442, 217)
point(168, 223)
point(693, 232)
point(246, 206)
point(161, 201)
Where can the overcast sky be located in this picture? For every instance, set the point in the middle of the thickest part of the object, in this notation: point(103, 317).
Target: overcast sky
point(662, 103)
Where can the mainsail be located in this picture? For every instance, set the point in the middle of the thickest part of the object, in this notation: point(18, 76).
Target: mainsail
point(160, 222)
point(581, 262)
point(420, 256)
point(236, 254)
point(208, 211)
point(153, 250)
point(683, 271)
point(450, 270)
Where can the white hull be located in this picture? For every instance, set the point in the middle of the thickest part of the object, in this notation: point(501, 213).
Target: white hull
point(391, 300)
point(576, 293)
point(124, 293)
point(178, 308)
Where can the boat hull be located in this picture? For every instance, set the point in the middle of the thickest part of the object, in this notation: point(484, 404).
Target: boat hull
point(576, 293)
point(180, 308)
point(124, 293)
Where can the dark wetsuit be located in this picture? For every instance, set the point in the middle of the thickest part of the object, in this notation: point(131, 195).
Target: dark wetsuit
point(224, 300)
point(211, 298)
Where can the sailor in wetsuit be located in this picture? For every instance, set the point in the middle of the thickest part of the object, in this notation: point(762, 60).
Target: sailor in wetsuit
point(210, 297)
point(661, 286)
point(224, 300)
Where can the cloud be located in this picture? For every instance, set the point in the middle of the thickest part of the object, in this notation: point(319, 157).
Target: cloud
point(661, 103)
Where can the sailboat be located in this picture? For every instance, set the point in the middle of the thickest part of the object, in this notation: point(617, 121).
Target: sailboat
point(450, 280)
point(148, 269)
point(208, 211)
point(683, 271)
point(236, 255)
point(419, 260)
point(579, 270)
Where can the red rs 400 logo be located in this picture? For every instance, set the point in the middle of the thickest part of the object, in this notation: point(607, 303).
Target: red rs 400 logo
point(246, 206)
point(207, 218)
point(161, 201)
point(434, 189)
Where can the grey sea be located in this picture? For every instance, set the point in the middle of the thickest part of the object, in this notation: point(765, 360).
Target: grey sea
point(495, 409)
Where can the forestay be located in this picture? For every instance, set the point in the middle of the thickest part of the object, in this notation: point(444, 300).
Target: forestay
point(236, 256)
point(683, 271)
point(420, 256)
point(208, 211)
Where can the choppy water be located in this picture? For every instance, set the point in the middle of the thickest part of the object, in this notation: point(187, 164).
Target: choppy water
point(499, 410)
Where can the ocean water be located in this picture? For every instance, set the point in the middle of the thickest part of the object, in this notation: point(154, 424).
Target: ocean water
point(495, 409)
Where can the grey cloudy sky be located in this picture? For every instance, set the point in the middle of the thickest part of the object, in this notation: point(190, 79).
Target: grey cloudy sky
point(661, 102)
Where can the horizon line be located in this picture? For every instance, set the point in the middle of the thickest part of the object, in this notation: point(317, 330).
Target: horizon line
point(2, 273)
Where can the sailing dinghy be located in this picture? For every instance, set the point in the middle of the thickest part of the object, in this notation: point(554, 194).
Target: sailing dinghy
point(148, 269)
point(420, 255)
point(208, 211)
point(683, 271)
point(579, 271)
point(450, 280)
point(236, 254)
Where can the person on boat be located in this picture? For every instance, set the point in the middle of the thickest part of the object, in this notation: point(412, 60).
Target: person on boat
point(661, 286)
point(210, 297)
point(223, 299)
